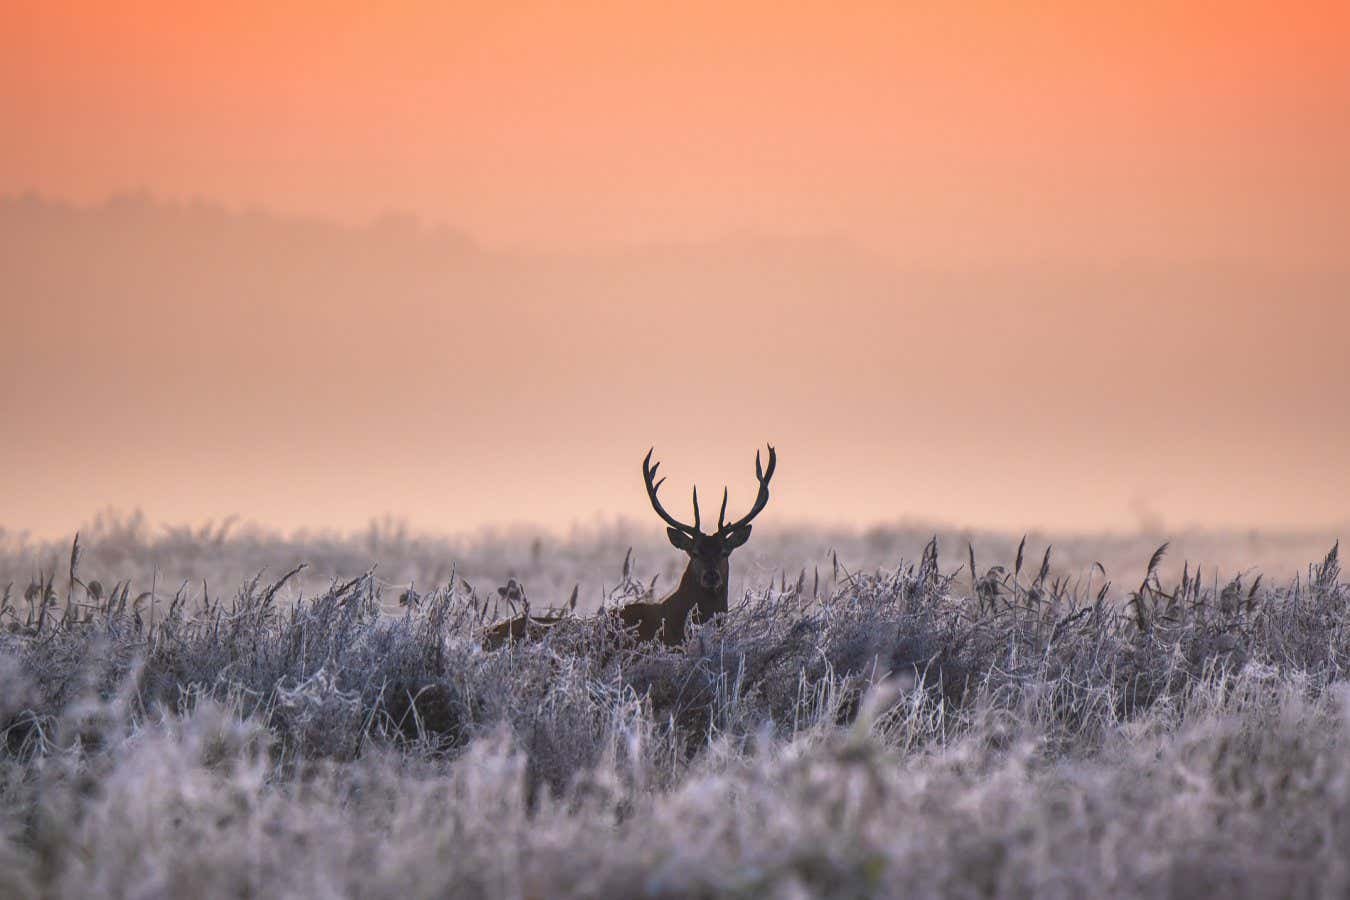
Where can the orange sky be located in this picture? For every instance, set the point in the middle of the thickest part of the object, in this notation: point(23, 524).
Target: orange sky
point(1094, 246)
point(946, 131)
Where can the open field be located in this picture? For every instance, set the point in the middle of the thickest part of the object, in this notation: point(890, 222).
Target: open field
point(1069, 278)
point(877, 716)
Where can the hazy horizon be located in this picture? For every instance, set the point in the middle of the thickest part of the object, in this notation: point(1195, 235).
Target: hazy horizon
point(200, 363)
point(1074, 267)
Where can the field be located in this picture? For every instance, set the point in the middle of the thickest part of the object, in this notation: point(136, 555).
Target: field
point(189, 713)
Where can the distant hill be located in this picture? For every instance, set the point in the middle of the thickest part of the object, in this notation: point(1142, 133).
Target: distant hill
point(192, 335)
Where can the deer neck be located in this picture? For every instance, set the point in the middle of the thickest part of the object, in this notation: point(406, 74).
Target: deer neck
point(691, 594)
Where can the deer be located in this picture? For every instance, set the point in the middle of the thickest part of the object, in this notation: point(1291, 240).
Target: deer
point(701, 595)
point(702, 592)
point(524, 627)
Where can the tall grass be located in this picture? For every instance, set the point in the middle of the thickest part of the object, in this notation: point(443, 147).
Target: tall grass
point(926, 729)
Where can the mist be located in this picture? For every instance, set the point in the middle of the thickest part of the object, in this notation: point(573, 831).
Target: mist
point(196, 361)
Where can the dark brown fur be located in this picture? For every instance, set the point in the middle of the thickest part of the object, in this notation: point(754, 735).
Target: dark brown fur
point(523, 627)
point(665, 620)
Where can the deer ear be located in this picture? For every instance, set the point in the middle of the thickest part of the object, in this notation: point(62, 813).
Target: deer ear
point(736, 538)
point(680, 540)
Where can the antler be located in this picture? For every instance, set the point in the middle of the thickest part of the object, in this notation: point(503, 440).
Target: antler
point(762, 500)
point(648, 473)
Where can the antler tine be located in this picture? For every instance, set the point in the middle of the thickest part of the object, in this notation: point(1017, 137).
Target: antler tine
point(762, 498)
point(773, 461)
point(696, 519)
point(648, 473)
point(722, 516)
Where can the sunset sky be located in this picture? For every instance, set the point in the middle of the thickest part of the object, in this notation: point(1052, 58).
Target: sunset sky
point(1067, 265)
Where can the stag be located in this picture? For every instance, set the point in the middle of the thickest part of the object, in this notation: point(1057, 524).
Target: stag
point(702, 592)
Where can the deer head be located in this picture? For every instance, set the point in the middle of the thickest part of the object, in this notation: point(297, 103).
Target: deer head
point(704, 585)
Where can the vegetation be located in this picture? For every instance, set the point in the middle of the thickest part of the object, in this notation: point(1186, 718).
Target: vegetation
point(932, 728)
